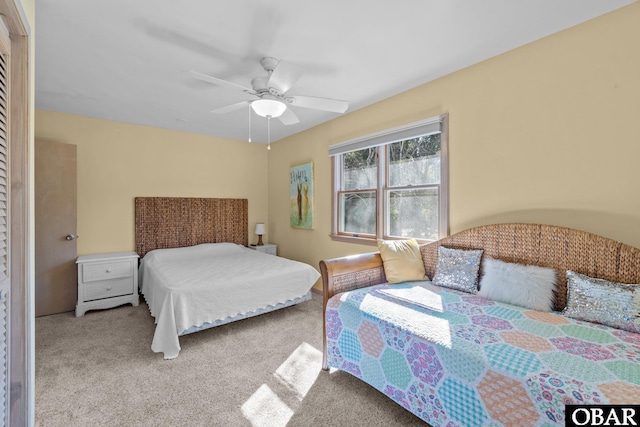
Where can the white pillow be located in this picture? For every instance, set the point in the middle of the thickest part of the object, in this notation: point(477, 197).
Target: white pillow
point(528, 286)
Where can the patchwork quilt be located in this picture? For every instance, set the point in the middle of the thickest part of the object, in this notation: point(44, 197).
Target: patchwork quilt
point(457, 359)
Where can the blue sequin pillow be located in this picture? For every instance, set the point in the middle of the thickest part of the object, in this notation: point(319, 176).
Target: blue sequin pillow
point(601, 301)
point(458, 269)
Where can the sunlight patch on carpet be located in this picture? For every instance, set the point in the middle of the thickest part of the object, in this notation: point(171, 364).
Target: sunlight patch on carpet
point(300, 371)
point(265, 408)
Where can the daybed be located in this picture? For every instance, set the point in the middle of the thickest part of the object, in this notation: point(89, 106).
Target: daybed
point(454, 358)
point(197, 273)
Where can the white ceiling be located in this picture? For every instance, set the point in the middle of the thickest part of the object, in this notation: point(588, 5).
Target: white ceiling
point(126, 60)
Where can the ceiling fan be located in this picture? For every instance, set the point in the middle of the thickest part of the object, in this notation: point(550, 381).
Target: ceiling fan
point(272, 93)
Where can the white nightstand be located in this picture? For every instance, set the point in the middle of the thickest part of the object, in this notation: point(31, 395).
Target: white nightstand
point(107, 280)
point(267, 248)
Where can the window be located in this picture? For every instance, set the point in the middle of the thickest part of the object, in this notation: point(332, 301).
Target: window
point(392, 184)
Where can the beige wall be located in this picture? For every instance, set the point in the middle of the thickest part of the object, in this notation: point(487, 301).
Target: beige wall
point(118, 161)
point(545, 133)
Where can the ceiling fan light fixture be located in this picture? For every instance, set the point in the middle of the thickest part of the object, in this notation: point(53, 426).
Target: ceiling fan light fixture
point(268, 107)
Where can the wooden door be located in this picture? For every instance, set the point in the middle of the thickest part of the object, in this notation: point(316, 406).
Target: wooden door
point(55, 221)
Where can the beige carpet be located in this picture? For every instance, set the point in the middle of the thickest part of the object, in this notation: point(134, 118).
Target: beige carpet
point(99, 370)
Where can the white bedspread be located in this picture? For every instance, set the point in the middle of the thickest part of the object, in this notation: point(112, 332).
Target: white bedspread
point(191, 286)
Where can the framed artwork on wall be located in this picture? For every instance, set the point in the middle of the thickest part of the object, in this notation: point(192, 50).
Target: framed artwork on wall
point(301, 196)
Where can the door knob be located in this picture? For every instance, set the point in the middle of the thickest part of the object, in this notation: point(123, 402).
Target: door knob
point(71, 237)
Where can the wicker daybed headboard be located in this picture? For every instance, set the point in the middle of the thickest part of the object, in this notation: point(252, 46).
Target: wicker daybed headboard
point(172, 222)
point(547, 246)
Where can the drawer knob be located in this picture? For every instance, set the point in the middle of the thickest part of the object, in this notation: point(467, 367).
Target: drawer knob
point(108, 270)
point(108, 288)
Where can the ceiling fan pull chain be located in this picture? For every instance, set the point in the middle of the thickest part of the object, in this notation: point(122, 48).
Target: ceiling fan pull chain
point(249, 122)
point(268, 132)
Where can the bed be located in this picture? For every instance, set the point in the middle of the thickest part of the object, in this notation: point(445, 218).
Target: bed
point(456, 358)
point(196, 271)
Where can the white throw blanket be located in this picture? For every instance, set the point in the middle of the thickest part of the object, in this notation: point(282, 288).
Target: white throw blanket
point(191, 286)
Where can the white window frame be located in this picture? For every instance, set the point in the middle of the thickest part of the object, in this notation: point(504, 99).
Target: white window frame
point(382, 140)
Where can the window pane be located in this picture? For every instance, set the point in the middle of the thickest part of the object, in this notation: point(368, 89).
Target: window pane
point(415, 161)
point(360, 169)
point(413, 213)
point(358, 213)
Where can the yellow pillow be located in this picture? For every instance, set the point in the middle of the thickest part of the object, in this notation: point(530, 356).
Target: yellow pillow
point(401, 260)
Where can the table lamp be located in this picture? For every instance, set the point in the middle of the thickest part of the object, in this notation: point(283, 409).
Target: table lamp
point(260, 232)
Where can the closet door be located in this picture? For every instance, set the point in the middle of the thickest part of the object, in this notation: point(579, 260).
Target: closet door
point(5, 220)
point(16, 316)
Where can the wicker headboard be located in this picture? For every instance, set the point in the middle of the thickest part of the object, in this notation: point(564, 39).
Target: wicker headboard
point(548, 246)
point(172, 222)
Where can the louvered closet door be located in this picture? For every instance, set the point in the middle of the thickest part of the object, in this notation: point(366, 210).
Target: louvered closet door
point(5, 283)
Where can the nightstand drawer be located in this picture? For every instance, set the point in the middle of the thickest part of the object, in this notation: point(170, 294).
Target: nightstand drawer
point(108, 288)
point(106, 271)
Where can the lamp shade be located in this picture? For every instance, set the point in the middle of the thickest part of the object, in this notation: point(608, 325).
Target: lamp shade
point(268, 107)
point(260, 228)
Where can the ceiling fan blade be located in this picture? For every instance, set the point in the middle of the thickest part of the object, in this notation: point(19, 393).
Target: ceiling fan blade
point(289, 117)
point(231, 107)
point(284, 76)
point(324, 104)
point(217, 81)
